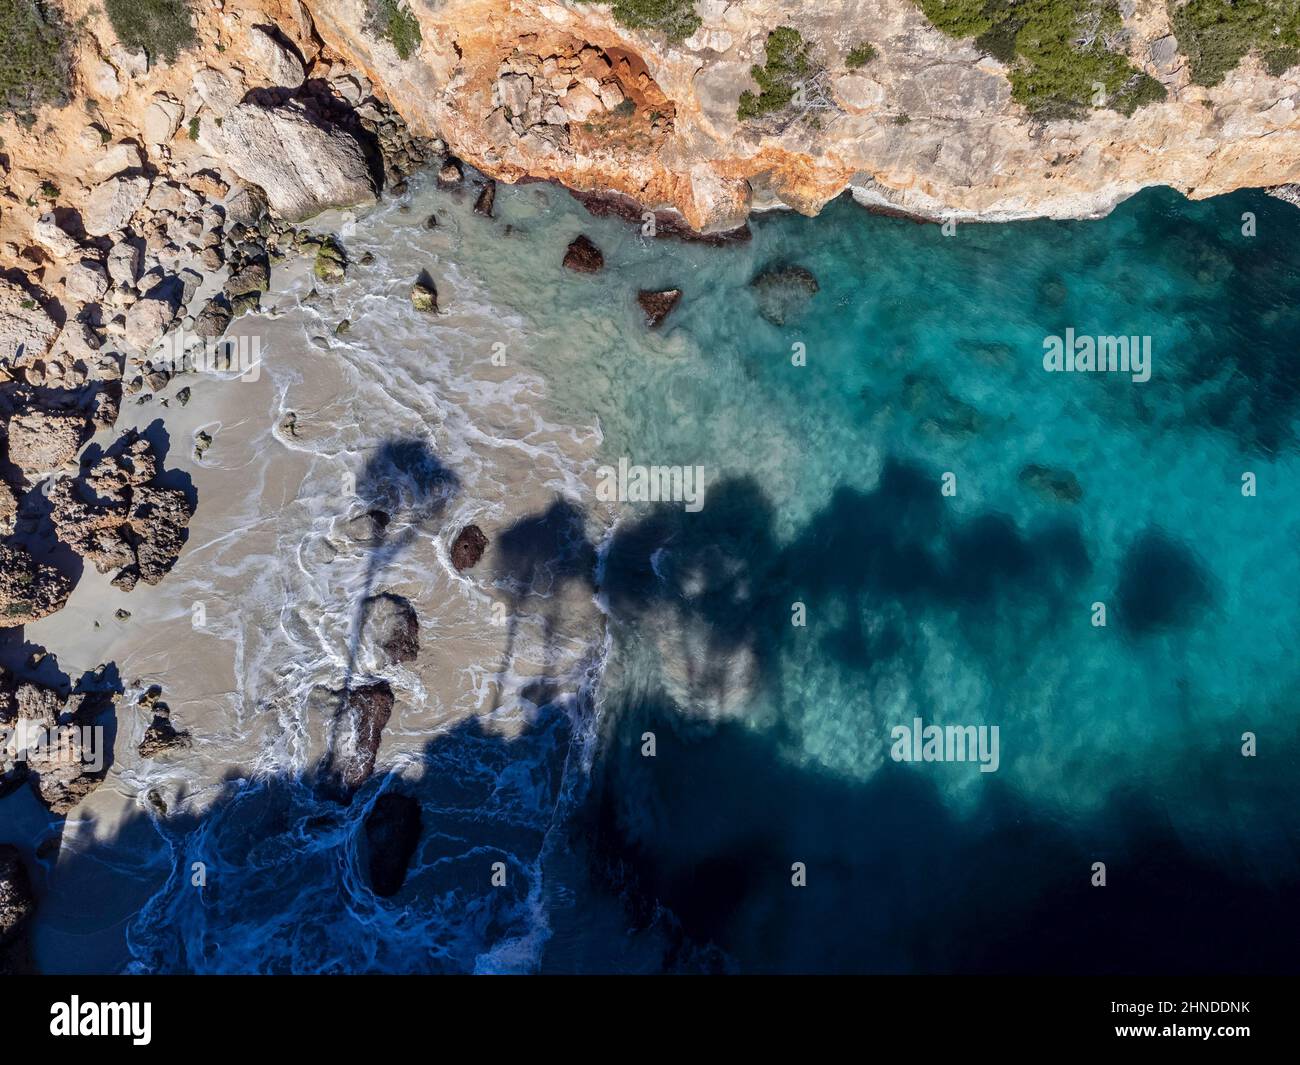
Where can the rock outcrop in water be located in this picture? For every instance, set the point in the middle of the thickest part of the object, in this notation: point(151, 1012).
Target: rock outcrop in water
point(17, 901)
point(358, 731)
point(783, 292)
point(468, 547)
point(391, 628)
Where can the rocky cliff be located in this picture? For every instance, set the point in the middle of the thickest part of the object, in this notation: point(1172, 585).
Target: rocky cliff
point(563, 91)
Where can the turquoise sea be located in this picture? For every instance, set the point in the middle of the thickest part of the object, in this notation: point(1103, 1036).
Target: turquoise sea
point(893, 467)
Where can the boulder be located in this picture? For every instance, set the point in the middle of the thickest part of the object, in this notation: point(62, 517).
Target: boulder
point(783, 292)
point(275, 59)
point(487, 199)
point(116, 516)
point(468, 547)
point(303, 165)
point(583, 256)
point(57, 765)
point(17, 903)
point(393, 828)
point(147, 319)
point(112, 204)
point(658, 304)
point(86, 281)
point(162, 118)
point(29, 590)
point(450, 174)
point(359, 729)
point(46, 233)
point(26, 331)
point(44, 440)
point(162, 736)
point(391, 628)
point(424, 297)
point(124, 263)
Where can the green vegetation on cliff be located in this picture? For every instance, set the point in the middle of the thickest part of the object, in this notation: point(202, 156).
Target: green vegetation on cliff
point(395, 24)
point(675, 19)
point(161, 27)
point(35, 65)
point(788, 63)
point(1215, 35)
point(1065, 55)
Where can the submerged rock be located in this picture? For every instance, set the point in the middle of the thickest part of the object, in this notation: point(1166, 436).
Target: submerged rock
point(392, 627)
point(468, 547)
point(393, 828)
point(583, 257)
point(783, 292)
point(1060, 485)
point(658, 305)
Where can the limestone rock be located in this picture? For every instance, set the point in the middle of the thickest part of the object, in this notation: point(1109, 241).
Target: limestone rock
point(280, 65)
point(29, 590)
point(112, 204)
point(45, 440)
point(303, 166)
point(46, 232)
point(117, 517)
point(26, 331)
point(86, 282)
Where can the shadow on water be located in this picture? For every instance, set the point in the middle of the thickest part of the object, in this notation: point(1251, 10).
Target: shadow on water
point(693, 848)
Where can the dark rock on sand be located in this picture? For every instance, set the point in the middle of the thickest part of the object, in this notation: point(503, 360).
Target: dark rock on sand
point(117, 516)
point(393, 627)
point(583, 256)
point(468, 547)
point(359, 729)
point(28, 589)
point(658, 305)
point(392, 833)
point(17, 903)
point(783, 292)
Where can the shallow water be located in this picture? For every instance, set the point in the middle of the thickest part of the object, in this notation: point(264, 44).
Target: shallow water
point(823, 487)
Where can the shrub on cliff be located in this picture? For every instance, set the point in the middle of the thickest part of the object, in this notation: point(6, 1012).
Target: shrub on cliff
point(860, 55)
point(1064, 56)
point(675, 19)
point(1215, 35)
point(35, 64)
point(161, 27)
point(395, 24)
point(788, 64)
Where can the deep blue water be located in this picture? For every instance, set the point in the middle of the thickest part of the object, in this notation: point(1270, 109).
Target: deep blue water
point(1120, 744)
